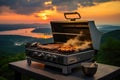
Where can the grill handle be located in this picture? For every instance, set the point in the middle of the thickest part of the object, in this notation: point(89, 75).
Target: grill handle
point(72, 13)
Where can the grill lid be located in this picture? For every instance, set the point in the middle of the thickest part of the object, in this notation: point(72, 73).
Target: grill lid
point(65, 30)
point(83, 30)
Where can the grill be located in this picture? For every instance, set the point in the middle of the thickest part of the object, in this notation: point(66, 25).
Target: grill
point(74, 41)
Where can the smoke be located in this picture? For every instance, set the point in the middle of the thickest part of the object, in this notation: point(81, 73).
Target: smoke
point(79, 42)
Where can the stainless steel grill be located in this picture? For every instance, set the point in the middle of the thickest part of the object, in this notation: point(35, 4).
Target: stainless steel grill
point(75, 41)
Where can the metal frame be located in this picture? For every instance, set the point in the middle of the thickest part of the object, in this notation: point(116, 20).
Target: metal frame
point(66, 69)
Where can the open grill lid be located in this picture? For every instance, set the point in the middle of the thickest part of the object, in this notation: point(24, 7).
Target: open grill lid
point(85, 30)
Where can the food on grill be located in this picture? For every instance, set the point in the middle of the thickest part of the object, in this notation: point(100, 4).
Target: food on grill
point(49, 46)
point(67, 48)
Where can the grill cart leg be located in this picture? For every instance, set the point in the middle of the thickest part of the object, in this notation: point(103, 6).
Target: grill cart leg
point(66, 70)
point(29, 61)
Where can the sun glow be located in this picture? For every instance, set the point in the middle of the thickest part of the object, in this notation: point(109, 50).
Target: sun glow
point(43, 16)
point(50, 14)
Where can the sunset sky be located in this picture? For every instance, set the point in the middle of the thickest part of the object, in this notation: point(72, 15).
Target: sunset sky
point(43, 11)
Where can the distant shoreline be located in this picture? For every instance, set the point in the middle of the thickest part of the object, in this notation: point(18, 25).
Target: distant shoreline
point(25, 32)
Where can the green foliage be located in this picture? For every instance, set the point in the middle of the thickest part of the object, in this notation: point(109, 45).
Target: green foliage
point(5, 72)
point(109, 52)
point(2, 78)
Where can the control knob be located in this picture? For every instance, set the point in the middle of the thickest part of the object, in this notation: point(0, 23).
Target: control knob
point(35, 54)
point(53, 58)
point(47, 56)
point(41, 55)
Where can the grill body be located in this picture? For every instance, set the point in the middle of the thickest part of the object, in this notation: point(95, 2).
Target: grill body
point(63, 31)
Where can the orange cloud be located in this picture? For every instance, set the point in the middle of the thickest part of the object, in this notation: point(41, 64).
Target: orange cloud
point(49, 15)
point(104, 12)
point(48, 3)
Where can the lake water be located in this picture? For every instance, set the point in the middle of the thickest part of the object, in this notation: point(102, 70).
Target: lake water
point(14, 37)
point(26, 32)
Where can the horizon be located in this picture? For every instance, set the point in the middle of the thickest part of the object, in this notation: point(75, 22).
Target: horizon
point(49, 24)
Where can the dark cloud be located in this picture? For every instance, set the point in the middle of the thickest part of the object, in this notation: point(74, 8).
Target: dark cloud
point(65, 5)
point(70, 5)
point(25, 6)
point(30, 6)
